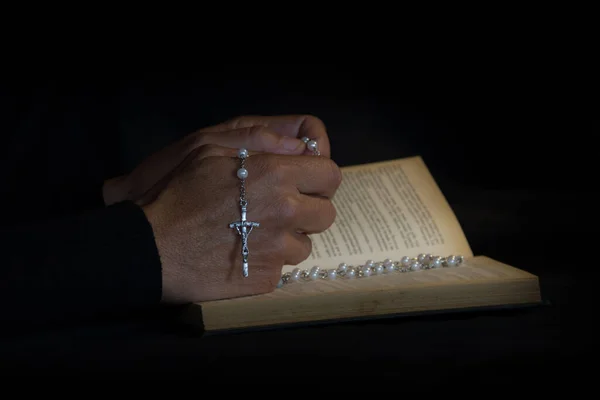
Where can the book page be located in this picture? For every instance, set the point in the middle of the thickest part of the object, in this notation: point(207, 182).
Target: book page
point(385, 210)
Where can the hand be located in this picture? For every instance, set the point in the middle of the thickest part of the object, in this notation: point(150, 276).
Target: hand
point(290, 196)
point(279, 135)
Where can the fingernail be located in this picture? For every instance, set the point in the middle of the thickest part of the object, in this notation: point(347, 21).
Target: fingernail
point(292, 144)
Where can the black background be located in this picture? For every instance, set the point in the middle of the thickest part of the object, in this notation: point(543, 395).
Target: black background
point(512, 150)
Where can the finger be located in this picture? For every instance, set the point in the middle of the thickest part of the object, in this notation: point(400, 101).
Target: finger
point(313, 128)
point(296, 126)
point(298, 247)
point(314, 214)
point(196, 154)
point(214, 150)
point(254, 138)
point(310, 175)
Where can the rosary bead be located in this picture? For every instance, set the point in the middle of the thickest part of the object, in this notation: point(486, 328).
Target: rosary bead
point(305, 139)
point(242, 173)
point(312, 145)
point(243, 153)
point(371, 268)
point(366, 270)
point(295, 276)
point(314, 273)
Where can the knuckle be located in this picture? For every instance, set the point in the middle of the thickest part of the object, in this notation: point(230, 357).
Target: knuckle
point(252, 134)
point(314, 121)
point(197, 139)
point(300, 251)
point(235, 122)
point(330, 214)
point(306, 249)
point(206, 162)
point(261, 138)
point(335, 174)
point(269, 166)
point(288, 207)
point(279, 247)
point(208, 150)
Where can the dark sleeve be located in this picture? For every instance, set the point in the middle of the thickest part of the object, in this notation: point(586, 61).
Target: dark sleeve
point(90, 195)
point(80, 267)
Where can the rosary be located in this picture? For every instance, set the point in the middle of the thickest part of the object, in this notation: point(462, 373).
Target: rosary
point(243, 227)
point(369, 268)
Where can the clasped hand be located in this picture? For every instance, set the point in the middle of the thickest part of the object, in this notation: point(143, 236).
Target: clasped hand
point(190, 193)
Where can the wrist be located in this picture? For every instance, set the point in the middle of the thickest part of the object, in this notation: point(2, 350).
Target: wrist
point(171, 274)
point(116, 190)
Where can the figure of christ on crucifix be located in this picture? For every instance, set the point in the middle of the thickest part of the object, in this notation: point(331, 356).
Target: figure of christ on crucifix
point(243, 228)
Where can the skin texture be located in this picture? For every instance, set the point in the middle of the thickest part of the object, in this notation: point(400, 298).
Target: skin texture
point(278, 135)
point(190, 193)
point(289, 195)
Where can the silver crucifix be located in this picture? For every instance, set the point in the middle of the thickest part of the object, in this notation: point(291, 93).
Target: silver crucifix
point(243, 229)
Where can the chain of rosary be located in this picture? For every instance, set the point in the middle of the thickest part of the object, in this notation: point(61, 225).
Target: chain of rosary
point(243, 227)
point(312, 145)
point(370, 267)
point(243, 174)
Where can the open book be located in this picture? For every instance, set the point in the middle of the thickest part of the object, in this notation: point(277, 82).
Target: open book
point(385, 210)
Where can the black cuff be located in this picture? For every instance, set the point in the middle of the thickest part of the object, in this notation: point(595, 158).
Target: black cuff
point(80, 267)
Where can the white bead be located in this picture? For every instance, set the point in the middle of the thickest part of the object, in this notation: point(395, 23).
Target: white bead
point(314, 273)
point(305, 139)
point(295, 276)
point(422, 261)
point(243, 153)
point(312, 145)
point(451, 260)
point(242, 173)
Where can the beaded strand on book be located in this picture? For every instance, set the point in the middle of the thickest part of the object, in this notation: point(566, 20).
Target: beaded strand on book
point(371, 268)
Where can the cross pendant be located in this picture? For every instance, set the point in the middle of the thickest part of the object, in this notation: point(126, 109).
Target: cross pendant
point(244, 228)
